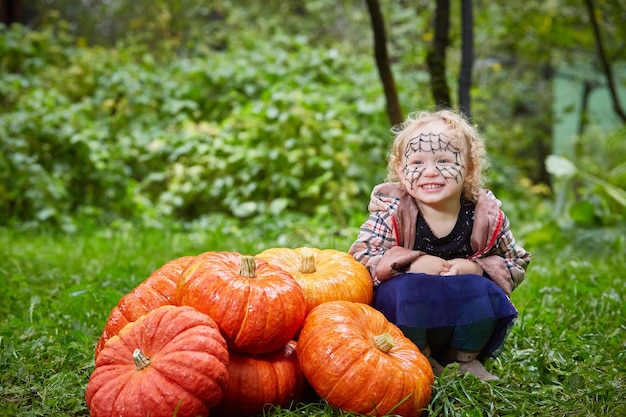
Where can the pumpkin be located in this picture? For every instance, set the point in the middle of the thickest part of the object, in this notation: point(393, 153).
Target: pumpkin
point(172, 361)
point(359, 362)
point(157, 290)
point(258, 307)
point(256, 383)
point(323, 274)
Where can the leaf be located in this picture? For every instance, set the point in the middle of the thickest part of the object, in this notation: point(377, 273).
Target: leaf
point(584, 213)
point(614, 192)
point(244, 209)
point(278, 206)
point(34, 301)
point(560, 166)
point(547, 233)
point(618, 194)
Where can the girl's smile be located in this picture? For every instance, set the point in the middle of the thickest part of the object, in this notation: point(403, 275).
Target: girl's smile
point(432, 186)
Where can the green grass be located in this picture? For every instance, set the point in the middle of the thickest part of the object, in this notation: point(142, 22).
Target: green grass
point(565, 356)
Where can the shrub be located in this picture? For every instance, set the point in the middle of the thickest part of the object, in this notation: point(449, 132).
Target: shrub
point(106, 134)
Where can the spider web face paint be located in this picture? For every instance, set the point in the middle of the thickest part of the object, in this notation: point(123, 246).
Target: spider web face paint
point(449, 163)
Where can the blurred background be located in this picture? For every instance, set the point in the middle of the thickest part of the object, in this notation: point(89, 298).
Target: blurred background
point(154, 111)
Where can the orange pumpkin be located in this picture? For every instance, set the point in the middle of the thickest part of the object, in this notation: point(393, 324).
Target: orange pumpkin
point(258, 307)
point(323, 274)
point(172, 361)
point(359, 362)
point(255, 383)
point(157, 290)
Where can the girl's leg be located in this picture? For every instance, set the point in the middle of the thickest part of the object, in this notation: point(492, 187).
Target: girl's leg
point(417, 336)
point(473, 337)
point(438, 338)
point(421, 339)
point(467, 342)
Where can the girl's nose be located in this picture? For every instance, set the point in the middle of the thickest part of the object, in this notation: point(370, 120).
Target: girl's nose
point(431, 171)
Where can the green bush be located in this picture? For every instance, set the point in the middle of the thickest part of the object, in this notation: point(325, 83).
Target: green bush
point(105, 134)
point(246, 128)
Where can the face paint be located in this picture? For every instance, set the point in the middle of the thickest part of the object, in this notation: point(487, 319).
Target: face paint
point(439, 147)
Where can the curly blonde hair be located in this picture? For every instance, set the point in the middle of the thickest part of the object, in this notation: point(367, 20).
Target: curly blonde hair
point(459, 127)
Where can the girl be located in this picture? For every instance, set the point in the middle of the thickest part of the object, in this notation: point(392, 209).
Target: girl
point(438, 247)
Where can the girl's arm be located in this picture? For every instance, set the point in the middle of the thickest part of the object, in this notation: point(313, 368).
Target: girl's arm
point(506, 262)
point(375, 237)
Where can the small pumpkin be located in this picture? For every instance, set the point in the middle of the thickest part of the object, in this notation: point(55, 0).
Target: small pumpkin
point(256, 383)
point(323, 274)
point(258, 307)
point(157, 290)
point(359, 362)
point(172, 361)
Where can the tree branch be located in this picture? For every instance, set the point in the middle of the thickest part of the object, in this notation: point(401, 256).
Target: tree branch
point(382, 62)
point(605, 62)
point(436, 58)
point(467, 56)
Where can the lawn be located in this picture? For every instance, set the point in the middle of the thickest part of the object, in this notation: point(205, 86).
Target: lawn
point(565, 356)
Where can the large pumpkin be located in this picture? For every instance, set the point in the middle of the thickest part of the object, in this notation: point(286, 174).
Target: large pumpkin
point(157, 290)
point(172, 361)
point(255, 383)
point(323, 274)
point(359, 362)
point(258, 307)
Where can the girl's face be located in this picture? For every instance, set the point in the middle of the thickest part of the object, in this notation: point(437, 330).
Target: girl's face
point(433, 167)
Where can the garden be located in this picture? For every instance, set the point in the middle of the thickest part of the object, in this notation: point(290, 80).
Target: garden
point(120, 155)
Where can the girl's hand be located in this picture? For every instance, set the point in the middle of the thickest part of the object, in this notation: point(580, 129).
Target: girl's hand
point(462, 266)
point(428, 264)
point(395, 260)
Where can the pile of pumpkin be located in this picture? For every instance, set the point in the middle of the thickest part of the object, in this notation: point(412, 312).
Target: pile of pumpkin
point(231, 334)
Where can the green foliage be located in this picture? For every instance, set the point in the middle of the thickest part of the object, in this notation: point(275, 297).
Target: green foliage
point(260, 109)
point(101, 134)
point(191, 27)
point(592, 191)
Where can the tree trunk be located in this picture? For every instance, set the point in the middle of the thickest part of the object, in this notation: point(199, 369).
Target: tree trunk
point(588, 88)
point(467, 56)
point(436, 58)
point(605, 61)
point(10, 12)
point(382, 62)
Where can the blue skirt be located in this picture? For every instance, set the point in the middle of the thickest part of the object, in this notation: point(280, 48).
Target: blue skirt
point(433, 301)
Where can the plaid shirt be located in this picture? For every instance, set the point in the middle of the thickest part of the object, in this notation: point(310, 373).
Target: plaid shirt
point(495, 249)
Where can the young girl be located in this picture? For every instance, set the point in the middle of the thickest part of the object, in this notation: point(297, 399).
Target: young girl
point(439, 249)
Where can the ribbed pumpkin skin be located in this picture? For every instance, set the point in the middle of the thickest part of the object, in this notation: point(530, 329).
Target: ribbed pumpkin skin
point(255, 383)
point(255, 315)
point(340, 360)
point(337, 275)
point(157, 290)
point(186, 375)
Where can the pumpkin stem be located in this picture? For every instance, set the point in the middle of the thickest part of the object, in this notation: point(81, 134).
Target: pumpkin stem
point(307, 261)
point(141, 360)
point(384, 342)
point(248, 266)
